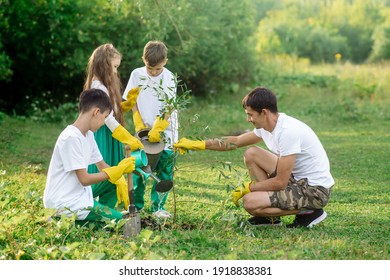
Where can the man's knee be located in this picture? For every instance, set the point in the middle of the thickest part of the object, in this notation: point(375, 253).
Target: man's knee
point(250, 154)
point(255, 202)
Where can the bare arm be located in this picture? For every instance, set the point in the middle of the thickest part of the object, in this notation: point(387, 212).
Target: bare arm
point(280, 181)
point(87, 179)
point(101, 165)
point(135, 108)
point(232, 142)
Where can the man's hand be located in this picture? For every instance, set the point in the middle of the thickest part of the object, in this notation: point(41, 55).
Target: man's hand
point(184, 144)
point(239, 192)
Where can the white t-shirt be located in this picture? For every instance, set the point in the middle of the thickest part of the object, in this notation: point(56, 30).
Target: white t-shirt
point(110, 121)
point(98, 85)
point(291, 136)
point(64, 191)
point(148, 101)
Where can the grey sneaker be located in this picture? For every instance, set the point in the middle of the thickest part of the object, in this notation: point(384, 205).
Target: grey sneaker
point(265, 221)
point(308, 220)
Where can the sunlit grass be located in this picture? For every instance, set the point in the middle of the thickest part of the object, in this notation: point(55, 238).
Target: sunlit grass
point(353, 128)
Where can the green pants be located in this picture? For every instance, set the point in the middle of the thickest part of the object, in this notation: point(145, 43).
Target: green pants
point(164, 171)
point(105, 207)
point(100, 211)
point(112, 152)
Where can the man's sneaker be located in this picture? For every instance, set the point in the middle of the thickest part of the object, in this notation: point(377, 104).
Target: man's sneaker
point(308, 220)
point(162, 214)
point(265, 221)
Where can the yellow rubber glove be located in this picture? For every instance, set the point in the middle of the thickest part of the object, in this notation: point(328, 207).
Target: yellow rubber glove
point(137, 120)
point(122, 192)
point(239, 192)
point(114, 173)
point(131, 99)
point(159, 126)
point(184, 144)
point(121, 134)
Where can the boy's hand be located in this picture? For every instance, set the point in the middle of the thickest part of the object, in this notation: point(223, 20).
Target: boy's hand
point(184, 144)
point(239, 192)
point(137, 120)
point(122, 135)
point(122, 192)
point(159, 126)
point(127, 165)
point(132, 96)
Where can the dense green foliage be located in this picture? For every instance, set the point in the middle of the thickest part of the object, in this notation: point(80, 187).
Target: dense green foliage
point(45, 45)
point(381, 37)
point(352, 125)
point(49, 42)
point(320, 29)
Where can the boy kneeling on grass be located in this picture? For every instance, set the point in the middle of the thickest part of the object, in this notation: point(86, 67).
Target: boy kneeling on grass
point(68, 186)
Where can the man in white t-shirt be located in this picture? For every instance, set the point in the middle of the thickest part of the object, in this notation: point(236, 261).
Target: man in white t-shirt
point(293, 178)
point(68, 186)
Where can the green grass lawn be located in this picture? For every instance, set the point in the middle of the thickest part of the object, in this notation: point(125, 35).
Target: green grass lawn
point(353, 127)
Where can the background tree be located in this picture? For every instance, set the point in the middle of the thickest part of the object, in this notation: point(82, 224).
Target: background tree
point(49, 42)
point(45, 45)
point(381, 38)
point(319, 29)
point(211, 43)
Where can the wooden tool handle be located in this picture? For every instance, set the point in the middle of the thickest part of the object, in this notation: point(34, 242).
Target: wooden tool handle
point(130, 182)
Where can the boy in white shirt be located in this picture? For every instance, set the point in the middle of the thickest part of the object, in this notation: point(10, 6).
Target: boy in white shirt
point(68, 186)
point(292, 178)
point(157, 85)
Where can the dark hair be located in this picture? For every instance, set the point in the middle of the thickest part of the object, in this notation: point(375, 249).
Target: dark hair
point(261, 98)
point(94, 98)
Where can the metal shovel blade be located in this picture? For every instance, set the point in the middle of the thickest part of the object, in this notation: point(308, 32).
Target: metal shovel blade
point(132, 227)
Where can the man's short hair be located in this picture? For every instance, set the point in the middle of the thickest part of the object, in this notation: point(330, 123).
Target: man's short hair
point(94, 98)
point(261, 98)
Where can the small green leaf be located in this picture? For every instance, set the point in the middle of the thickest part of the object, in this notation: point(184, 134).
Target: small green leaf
point(96, 256)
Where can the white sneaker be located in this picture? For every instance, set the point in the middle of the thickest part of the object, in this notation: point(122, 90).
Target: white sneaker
point(162, 214)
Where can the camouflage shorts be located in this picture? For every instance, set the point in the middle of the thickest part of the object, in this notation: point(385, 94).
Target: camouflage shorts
point(299, 195)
